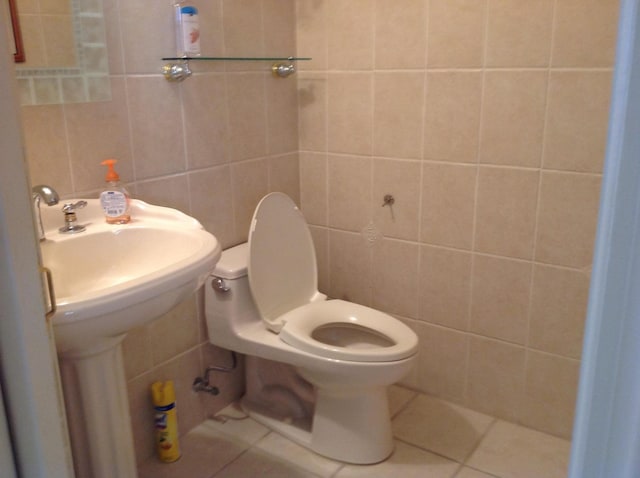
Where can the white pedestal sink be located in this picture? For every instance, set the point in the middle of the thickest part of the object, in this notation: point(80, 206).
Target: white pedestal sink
point(108, 280)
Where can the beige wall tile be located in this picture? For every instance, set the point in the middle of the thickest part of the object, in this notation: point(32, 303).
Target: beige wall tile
point(243, 29)
point(349, 192)
point(397, 114)
point(320, 237)
point(567, 218)
point(550, 393)
point(401, 179)
point(585, 33)
point(312, 111)
point(442, 368)
point(249, 180)
point(172, 191)
point(456, 33)
point(33, 41)
point(500, 298)
point(312, 38)
point(284, 175)
point(577, 120)
point(282, 117)
point(175, 332)
point(88, 143)
point(206, 120)
point(279, 24)
point(519, 33)
point(452, 120)
point(496, 378)
point(558, 310)
point(247, 115)
point(313, 187)
point(395, 277)
point(350, 34)
point(155, 154)
point(506, 211)
point(45, 144)
point(513, 117)
point(400, 34)
point(350, 113)
point(445, 287)
point(142, 52)
point(136, 350)
point(350, 267)
point(448, 196)
point(212, 203)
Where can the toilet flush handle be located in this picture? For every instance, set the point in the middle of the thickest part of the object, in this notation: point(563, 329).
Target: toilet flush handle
point(218, 285)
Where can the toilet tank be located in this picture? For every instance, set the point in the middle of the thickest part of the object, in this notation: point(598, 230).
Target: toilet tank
point(228, 310)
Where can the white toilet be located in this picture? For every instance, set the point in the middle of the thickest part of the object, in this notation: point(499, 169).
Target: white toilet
point(348, 352)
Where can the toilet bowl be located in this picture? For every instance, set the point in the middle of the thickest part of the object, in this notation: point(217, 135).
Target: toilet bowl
point(262, 300)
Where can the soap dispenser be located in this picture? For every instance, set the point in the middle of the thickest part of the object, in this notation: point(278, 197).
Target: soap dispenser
point(115, 199)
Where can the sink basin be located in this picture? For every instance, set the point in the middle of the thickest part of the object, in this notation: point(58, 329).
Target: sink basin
point(112, 278)
point(108, 280)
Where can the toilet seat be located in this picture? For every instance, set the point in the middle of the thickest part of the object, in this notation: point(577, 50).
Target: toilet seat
point(283, 278)
point(365, 334)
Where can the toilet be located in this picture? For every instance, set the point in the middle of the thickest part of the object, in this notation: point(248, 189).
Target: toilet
point(262, 300)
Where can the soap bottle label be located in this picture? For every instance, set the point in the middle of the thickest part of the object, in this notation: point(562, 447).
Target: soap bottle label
point(114, 203)
point(190, 31)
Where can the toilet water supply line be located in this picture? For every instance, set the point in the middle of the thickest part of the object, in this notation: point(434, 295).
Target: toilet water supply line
point(201, 384)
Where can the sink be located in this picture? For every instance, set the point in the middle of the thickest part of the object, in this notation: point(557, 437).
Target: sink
point(112, 278)
point(109, 280)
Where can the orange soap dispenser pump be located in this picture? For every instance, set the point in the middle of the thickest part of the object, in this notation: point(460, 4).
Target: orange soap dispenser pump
point(115, 199)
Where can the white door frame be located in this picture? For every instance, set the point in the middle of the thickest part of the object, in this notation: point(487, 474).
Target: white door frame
point(28, 366)
point(606, 439)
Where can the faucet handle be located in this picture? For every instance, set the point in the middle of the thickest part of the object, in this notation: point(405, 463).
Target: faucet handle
point(71, 207)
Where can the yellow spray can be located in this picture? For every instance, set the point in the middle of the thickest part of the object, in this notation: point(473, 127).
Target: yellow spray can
point(166, 421)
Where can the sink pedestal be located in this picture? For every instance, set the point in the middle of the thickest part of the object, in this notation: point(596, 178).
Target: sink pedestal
point(95, 396)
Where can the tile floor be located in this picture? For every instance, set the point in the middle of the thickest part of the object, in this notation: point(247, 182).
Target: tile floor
point(434, 439)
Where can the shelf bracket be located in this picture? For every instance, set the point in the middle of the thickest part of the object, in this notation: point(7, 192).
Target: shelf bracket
point(176, 72)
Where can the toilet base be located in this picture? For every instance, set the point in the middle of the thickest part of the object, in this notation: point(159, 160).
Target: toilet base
point(348, 426)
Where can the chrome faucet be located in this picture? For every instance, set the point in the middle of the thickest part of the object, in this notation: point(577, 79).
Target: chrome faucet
point(49, 196)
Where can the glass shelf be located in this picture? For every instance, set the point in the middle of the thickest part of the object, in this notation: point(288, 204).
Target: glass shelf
point(234, 58)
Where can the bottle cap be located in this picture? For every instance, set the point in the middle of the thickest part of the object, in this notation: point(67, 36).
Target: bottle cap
point(111, 173)
point(163, 393)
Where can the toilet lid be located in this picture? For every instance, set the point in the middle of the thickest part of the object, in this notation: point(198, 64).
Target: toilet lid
point(282, 262)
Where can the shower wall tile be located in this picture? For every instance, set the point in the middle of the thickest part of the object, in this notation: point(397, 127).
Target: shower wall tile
point(452, 116)
point(519, 33)
point(88, 144)
point(500, 298)
point(577, 117)
point(585, 33)
point(156, 128)
point(461, 46)
point(550, 393)
point(205, 120)
point(567, 219)
point(513, 117)
point(506, 211)
point(395, 277)
point(445, 287)
point(349, 192)
point(496, 377)
point(401, 179)
point(558, 308)
point(448, 197)
point(350, 27)
point(350, 113)
point(397, 121)
point(400, 36)
point(313, 187)
point(312, 111)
